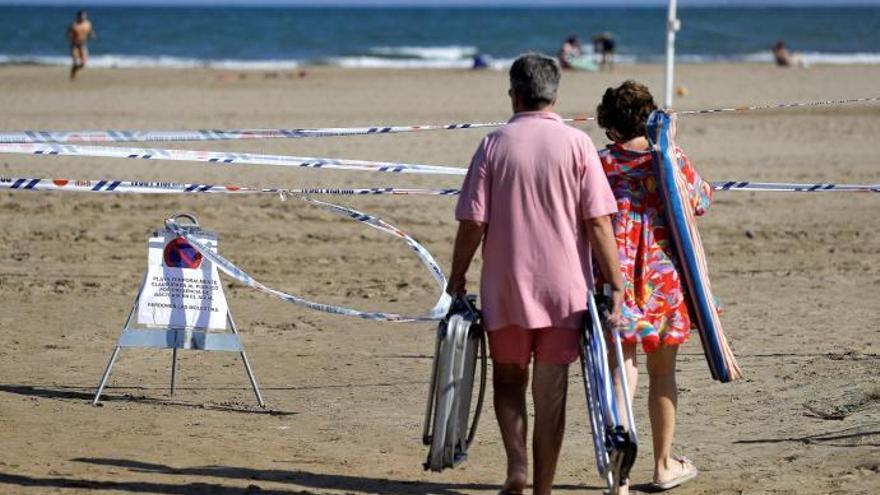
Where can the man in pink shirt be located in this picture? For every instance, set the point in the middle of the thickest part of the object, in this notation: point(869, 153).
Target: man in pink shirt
point(535, 195)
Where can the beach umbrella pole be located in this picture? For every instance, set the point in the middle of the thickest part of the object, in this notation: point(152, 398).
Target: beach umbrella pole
point(672, 26)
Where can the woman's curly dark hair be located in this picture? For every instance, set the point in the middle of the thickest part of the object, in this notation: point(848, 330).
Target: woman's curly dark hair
point(624, 111)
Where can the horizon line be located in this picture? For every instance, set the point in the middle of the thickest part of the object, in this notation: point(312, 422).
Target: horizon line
point(438, 4)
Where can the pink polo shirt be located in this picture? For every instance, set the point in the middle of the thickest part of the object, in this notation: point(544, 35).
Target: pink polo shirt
point(533, 182)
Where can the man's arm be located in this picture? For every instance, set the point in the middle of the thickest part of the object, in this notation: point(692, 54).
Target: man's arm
point(467, 240)
point(601, 236)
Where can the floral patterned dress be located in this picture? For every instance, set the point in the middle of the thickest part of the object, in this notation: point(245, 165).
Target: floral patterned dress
point(655, 309)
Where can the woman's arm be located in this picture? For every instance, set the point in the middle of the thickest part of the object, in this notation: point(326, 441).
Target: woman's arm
point(699, 191)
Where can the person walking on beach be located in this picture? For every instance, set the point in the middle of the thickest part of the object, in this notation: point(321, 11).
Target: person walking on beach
point(78, 34)
point(536, 198)
point(654, 310)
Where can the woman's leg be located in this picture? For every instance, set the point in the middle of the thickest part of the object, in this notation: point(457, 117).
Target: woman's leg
point(630, 367)
point(662, 402)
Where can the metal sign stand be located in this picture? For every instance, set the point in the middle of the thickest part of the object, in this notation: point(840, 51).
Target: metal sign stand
point(178, 337)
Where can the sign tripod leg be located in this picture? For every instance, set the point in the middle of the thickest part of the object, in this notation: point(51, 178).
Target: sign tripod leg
point(106, 376)
point(114, 356)
point(247, 364)
point(173, 369)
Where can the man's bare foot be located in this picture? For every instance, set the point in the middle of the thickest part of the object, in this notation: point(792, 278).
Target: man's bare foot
point(621, 489)
point(514, 485)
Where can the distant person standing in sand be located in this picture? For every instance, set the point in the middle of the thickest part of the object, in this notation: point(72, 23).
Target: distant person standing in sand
point(786, 58)
point(78, 34)
point(603, 45)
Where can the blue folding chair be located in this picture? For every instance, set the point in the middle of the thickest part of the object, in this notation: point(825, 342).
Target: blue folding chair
point(615, 443)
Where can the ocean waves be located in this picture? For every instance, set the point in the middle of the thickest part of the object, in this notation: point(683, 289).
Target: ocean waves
point(452, 53)
point(403, 57)
point(160, 61)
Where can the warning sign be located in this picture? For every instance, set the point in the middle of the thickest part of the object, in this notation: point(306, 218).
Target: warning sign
point(181, 288)
point(179, 254)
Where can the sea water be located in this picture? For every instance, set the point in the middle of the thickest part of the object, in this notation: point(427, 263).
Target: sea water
point(285, 38)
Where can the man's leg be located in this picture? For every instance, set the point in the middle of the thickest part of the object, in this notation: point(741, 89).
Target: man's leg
point(549, 390)
point(509, 382)
point(78, 54)
point(83, 55)
point(555, 350)
point(74, 61)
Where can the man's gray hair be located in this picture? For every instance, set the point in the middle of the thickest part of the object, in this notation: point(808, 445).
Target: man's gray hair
point(535, 78)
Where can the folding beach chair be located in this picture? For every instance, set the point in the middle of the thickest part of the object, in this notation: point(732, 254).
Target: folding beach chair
point(615, 443)
point(461, 342)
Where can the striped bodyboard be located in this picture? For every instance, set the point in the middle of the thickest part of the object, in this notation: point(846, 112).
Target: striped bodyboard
point(688, 247)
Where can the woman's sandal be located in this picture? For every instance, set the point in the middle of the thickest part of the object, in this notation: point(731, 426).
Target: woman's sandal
point(689, 472)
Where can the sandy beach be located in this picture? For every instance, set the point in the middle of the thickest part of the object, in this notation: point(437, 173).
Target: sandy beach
point(798, 275)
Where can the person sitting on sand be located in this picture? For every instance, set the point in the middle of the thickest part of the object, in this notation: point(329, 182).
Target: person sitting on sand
point(655, 311)
point(78, 34)
point(571, 48)
point(786, 58)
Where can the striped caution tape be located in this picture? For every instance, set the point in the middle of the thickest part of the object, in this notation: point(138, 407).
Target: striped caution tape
point(226, 158)
point(436, 313)
point(780, 106)
point(790, 187)
point(143, 136)
point(159, 187)
point(148, 187)
point(133, 136)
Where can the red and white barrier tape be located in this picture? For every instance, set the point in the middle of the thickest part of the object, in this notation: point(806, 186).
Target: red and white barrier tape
point(437, 312)
point(139, 136)
point(158, 187)
point(226, 158)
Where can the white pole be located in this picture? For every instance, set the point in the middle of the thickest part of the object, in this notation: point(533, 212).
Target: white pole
point(672, 26)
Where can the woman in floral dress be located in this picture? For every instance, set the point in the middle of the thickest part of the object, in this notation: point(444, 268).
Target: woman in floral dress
point(655, 310)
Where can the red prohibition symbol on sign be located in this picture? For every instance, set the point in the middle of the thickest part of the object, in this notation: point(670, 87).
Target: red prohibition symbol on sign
point(180, 254)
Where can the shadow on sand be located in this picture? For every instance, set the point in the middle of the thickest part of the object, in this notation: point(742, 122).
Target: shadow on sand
point(309, 480)
point(139, 486)
point(69, 393)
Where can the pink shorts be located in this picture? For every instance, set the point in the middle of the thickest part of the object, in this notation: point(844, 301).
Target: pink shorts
point(515, 345)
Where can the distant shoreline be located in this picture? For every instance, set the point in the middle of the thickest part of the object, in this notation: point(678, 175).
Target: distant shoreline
point(257, 68)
